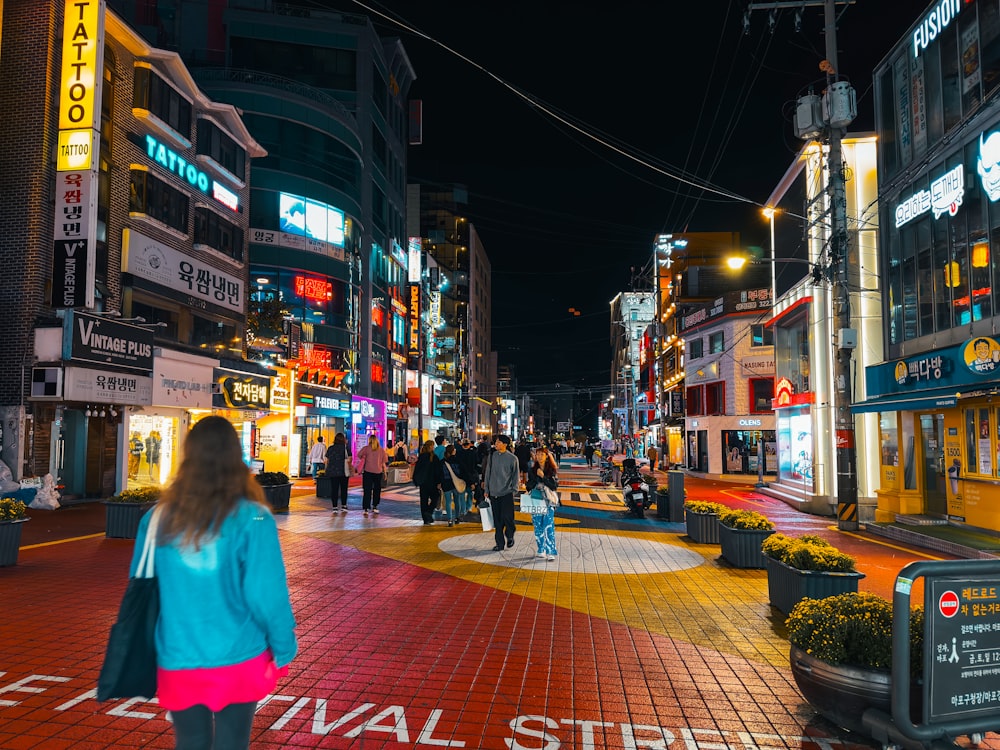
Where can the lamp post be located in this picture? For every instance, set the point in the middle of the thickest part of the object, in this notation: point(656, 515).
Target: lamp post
point(769, 214)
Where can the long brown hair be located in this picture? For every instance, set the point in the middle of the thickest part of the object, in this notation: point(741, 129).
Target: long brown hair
point(549, 467)
point(209, 483)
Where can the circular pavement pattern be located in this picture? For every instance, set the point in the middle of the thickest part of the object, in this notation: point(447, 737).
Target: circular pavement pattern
point(579, 552)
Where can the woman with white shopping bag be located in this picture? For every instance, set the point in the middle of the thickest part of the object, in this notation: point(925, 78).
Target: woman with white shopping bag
point(543, 479)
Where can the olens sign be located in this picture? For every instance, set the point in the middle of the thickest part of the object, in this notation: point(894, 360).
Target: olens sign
point(91, 338)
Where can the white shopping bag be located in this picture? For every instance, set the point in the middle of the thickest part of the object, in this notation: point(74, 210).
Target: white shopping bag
point(486, 514)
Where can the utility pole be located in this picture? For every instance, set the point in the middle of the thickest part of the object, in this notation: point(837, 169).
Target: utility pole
point(833, 115)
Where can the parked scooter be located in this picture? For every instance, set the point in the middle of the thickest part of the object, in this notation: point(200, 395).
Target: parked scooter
point(635, 491)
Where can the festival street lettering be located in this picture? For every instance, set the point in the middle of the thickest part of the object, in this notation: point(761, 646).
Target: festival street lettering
point(422, 727)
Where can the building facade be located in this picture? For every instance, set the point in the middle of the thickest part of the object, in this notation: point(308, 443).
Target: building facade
point(939, 187)
point(138, 226)
point(729, 385)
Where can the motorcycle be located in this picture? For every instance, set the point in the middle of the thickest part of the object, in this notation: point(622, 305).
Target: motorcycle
point(635, 492)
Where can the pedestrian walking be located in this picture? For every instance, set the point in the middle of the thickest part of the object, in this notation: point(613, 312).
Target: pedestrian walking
point(452, 487)
point(588, 453)
point(467, 459)
point(557, 451)
point(544, 474)
point(226, 632)
point(522, 451)
point(501, 483)
point(652, 454)
point(427, 476)
point(339, 468)
point(400, 453)
point(373, 463)
point(317, 456)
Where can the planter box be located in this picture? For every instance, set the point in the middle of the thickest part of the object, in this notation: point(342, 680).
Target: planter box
point(324, 487)
point(842, 694)
point(787, 586)
point(279, 495)
point(122, 519)
point(703, 528)
point(10, 541)
point(741, 547)
point(399, 475)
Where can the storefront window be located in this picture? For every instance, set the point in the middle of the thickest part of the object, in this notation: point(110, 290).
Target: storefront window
point(761, 395)
point(795, 448)
point(152, 450)
point(909, 456)
point(791, 351)
point(889, 442)
point(978, 446)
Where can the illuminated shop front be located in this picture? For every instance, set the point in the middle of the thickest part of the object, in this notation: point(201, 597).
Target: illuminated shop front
point(318, 411)
point(368, 417)
point(242, 398)
point(939, 433)
point(182, 385)
point(274, 430)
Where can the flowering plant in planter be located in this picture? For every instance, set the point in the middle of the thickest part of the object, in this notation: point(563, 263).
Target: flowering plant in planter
point(12, 510)
point(138, 495)
point(808, 552)
point(748, 520)
point(399, 465)
point(854, 630)
point(271, 478)
point(703, 506)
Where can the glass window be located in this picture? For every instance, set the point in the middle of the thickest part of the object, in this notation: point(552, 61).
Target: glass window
point(717, 342)
point(319, 67)
point(888, 440)
point(156, 96)
point(951, 84)
point(978, 446)
point(909, 455)
point(942, 292)
point(887, 123)
point(761, 395)
point(761, 335)
point(715, 398)
point(152, 196)
point(791, 351)
point(695, 396)
point(989, 31)
point(695, 348)
point(933, 93)
point(212, 230)
point(972, 74)
point(218, 146)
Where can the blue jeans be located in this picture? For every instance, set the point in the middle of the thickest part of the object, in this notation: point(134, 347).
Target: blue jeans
point(452, 506)
point(545, 531)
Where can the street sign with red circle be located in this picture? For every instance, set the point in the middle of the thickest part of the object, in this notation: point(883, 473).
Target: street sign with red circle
point(948, 603)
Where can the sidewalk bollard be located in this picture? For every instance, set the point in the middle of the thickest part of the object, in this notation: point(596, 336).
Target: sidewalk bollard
point(675, 484)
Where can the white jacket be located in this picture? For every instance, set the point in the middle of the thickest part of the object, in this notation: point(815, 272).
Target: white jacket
point(317, 454)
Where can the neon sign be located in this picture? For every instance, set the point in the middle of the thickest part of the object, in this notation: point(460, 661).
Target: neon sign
point(314, 289)
point(945, 196)
point(175, 163)
point(934, 23)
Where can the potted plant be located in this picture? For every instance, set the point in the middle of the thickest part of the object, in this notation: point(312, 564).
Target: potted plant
point(741, 533)
point(702, 520)
point(399, 472)
point(12, 514)
point(806, 566)
point(277, 489)
point(124, 511)
point(841, 655)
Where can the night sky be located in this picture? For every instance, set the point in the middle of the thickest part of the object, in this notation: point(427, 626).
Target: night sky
point(674, 82)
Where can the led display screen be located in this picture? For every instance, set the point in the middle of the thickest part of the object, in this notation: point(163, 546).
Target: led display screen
point(309, 218)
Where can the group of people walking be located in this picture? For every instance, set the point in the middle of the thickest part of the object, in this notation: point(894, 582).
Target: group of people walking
point(339, 465)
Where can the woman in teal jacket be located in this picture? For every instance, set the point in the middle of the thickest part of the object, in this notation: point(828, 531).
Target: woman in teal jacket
point(226, 630)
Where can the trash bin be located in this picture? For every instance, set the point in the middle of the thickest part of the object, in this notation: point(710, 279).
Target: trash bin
point(675, 483)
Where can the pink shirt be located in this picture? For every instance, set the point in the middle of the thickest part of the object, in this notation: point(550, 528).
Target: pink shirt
point(374, 461)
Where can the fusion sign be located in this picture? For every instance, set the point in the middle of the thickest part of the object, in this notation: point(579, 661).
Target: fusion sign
point(934, 23)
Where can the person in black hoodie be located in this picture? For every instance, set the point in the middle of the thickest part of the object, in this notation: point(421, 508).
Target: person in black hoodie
point(468, 460)
point(427, 476)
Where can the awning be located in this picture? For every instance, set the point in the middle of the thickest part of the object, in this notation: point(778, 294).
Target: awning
point(922, 401)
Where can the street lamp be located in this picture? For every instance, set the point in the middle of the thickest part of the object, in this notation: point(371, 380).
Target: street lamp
point(769, 214)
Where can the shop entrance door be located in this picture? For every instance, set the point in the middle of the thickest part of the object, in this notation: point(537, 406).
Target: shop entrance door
point(932, 445)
